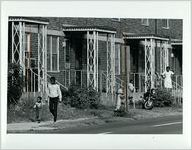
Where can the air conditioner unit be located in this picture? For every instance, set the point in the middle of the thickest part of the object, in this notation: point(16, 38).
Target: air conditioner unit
point(67, 65)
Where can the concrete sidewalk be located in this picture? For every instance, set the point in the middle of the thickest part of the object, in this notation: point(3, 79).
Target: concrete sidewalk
point(45, 125)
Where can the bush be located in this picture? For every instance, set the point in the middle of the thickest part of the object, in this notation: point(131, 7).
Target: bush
point(163, 98)
point(15, 84)
point(81, 98)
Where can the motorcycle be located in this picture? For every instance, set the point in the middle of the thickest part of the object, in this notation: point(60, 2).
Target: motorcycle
point(148, 99)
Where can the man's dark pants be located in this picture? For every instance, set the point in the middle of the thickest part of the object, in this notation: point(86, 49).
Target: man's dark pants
point(53, 103)
point(38, 112)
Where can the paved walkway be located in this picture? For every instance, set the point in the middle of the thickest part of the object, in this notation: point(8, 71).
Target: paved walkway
point(45, 125)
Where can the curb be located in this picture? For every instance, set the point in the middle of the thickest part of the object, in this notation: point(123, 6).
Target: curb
point(26, 126)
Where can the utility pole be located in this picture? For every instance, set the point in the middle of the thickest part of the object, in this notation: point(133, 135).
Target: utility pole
point(126, 93)
point(125, 65)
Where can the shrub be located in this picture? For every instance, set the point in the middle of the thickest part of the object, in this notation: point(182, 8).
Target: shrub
point(81, 97)
point(163, 98)
point(15, 84)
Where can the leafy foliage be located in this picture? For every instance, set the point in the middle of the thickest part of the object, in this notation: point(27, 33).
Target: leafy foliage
point(163, 98)
point(15, 83)
point(81, 98)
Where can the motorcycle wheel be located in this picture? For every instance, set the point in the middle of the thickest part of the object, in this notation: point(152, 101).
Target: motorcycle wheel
point(148, 105)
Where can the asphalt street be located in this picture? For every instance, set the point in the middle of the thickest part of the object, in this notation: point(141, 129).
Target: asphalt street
point(162, 125)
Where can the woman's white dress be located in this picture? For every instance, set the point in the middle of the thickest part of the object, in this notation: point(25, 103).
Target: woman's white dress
point(167, 79)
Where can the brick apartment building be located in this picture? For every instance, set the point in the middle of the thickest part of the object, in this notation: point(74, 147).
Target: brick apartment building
point(100, 52)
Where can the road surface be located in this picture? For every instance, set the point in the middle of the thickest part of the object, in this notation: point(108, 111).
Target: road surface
point(163, 125)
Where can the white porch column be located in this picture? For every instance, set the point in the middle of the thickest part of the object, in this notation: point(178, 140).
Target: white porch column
point(45, 56)
point(152, 53)
point(18, 34)
point(18, 45)
point(108, 80)
point(92, 60)
point(42, 58)
point(149, 63)
point(164, 56)
point(112, 63)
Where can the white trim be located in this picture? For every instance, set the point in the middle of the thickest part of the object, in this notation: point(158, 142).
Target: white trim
point(55, 32)
point(56, 71)
point(177, 43)
point(49, 32)
point(116, 19)
point(27, 20)
point(88, 29)
point(147, 37)
point(104, 39)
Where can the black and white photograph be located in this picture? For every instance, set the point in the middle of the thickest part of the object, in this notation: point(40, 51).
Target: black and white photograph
point(95, 75)
point(81, 75)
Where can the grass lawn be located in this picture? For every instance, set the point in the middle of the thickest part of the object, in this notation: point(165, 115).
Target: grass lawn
point(67, 112)
point(155, 112)
point(64, 112)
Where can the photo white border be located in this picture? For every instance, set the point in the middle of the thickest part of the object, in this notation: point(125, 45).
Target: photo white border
point(113, 9)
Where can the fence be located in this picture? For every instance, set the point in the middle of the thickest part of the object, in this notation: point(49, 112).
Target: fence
point(79, 77)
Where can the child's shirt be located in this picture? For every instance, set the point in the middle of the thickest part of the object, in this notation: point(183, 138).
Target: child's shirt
point(38, 105)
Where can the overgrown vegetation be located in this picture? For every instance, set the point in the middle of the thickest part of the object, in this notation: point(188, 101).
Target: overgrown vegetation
point(15, 84)
point(24, 111)
point(163, 98)
point(81, 98)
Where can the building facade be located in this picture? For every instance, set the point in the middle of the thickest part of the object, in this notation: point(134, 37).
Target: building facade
point(104, 53)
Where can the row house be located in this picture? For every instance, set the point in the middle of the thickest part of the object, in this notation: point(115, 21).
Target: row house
point(104, 53)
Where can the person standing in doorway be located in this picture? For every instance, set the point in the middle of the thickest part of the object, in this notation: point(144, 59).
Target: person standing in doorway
point(167, 76)
point(54, 96)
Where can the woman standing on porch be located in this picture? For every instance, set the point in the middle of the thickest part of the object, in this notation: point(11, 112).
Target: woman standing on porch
point(54, 96)
point(167, 76)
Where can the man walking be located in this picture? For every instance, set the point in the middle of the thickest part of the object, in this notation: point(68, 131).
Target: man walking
point(54, 96)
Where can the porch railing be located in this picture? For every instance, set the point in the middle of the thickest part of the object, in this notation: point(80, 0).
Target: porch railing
point(31, 81)
point(138, 81)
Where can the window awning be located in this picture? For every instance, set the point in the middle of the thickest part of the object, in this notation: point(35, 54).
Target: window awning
point(102, 29)
point(33, 20)
point(144, 36)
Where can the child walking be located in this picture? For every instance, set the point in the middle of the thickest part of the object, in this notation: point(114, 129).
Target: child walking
point(38, 107)
point(54, 96)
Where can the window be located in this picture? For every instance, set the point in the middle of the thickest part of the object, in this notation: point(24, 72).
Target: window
point(117, 59)
point(27, 45)
point(67, 53)
point(53, 53)
point(30, 62)
point(165, 23)
point(145, 22)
